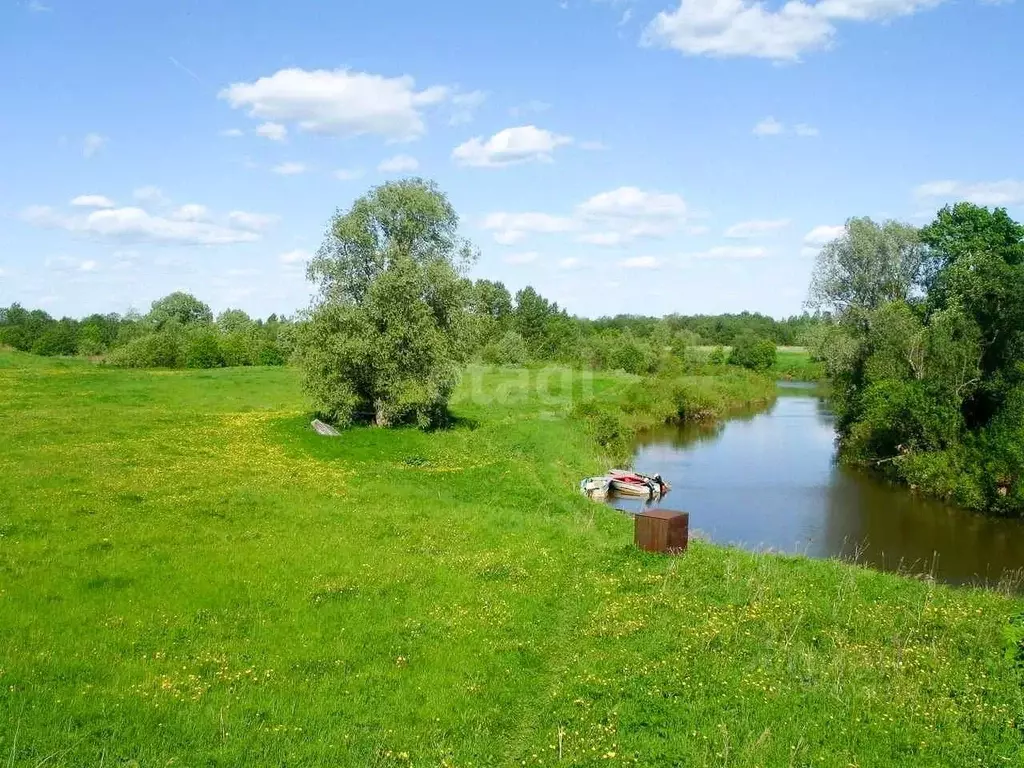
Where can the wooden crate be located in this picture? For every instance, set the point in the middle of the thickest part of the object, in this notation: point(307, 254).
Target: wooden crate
point(662, 530)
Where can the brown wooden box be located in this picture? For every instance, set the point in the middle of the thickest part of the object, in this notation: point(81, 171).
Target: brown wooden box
point(662, 530)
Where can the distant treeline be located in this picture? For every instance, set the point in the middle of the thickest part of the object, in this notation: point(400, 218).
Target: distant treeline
point(180, 331)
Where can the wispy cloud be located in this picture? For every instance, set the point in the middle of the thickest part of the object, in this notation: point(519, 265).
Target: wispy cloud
point(772, 127)
point(189, 224)
point(1005, 192)
point(289, 169)
point(92, 144)
point(399, 164)
point(185, 69)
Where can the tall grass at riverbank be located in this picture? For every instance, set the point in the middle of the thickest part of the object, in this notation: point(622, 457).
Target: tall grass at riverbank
point(190, 576)
point(617, 413)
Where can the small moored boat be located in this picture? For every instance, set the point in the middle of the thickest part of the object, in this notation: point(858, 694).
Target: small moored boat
point(595, 487)
point(637, 484)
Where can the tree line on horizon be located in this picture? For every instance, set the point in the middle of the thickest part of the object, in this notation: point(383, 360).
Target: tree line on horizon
point(180, 331)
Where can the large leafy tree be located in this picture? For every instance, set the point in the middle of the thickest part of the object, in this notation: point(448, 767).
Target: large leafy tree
point(926, 358)
point(389, 330)
point(977, 270)
point(179, 308)
point(869, 265)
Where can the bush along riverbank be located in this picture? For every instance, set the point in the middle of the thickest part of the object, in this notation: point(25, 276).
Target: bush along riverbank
point(617, 414)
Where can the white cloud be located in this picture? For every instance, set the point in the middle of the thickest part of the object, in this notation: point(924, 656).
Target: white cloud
point(772, 127)
point(769, 127)
point(150, 194)
point(190, 212)
point(272, 131)
point(937, 189)
point(465, 105)
point(607, 219)
point(513, 145)
point(399, 164)
point(232, 133)
point(92, 201)
point(66, 264)
point(338, 102)
point(824, 234)
point(348, 174)
point(125, 259)
point(593, 146)
point(92, 144)
point(748, 229)
point(1008, 192)
point(530, 107)
point(609, 239)
point(634, 212)
point(724, 28)
point(297, 256)
point(135, 224)
point(872, 10)
point(511, 228)
point(254, 222)
point(526, 257)
point(289, 169)
point(640, 262)
point(570, 263)
point(731, 252)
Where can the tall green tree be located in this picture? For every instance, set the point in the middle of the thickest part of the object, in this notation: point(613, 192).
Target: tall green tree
point(977, 270)
point(926, 366)
point(867, 266)
point(234, 321)
point(389, 331)
point(179, 308)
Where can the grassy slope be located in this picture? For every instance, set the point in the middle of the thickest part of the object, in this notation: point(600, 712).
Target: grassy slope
point(188, 576)
point(795, 363)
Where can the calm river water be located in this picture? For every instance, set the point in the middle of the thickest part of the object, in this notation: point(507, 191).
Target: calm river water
point(768, 481)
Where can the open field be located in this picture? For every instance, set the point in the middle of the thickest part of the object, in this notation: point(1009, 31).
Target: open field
point(790, 363)
point(189, 576)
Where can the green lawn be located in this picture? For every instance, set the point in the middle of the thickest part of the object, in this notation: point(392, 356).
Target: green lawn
point(795, 363)
point(189, 576)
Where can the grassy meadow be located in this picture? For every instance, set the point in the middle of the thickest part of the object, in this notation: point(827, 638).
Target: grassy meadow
point(190, 576)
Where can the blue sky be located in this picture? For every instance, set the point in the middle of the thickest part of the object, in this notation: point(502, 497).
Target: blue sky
point(646, 157)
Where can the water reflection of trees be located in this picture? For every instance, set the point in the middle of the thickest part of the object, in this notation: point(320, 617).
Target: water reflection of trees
point(680, 437)
point(694, 433)
point(892, 529)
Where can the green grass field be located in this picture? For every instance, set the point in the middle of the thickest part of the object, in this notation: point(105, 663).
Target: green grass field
point(189, 576)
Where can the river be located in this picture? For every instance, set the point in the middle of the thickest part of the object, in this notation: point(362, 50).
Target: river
point(767, 480)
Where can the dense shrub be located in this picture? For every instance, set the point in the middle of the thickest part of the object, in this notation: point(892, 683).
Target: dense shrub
point(202, 350)
point(510, 349)
point(753, 352)
point(154, 350)
point(59, 338)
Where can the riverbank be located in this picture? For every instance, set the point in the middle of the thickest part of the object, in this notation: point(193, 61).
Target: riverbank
point(790, 496)
point(617, 413)
point(189, 574)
